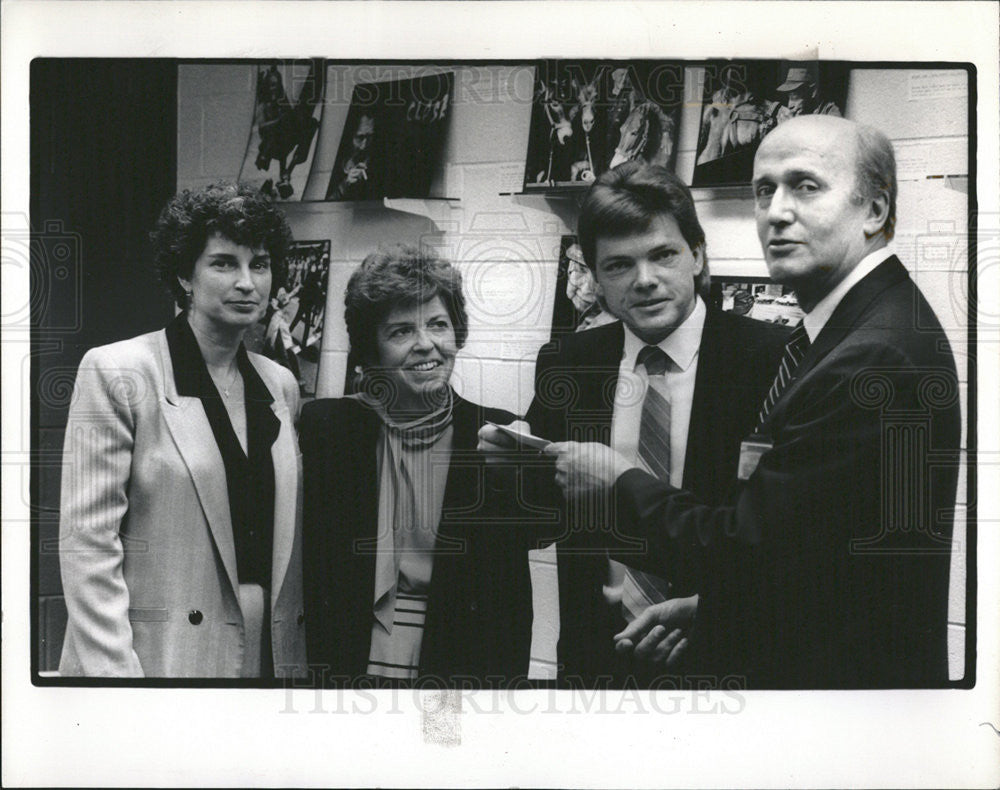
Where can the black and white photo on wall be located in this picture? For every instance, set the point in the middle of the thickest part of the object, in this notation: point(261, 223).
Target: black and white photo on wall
point(576, 305)
point(744, 100)
point(291, 331)
point(755, 297)
point(392, 139)
point(588, 116)
point(288, 107)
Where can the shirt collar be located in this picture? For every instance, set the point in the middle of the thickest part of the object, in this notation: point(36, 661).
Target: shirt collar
point(681, 345)
point(191, 374)
point(816, 319)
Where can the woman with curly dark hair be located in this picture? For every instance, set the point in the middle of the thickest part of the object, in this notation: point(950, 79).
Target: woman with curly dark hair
point(414, 572)
point(180, 546)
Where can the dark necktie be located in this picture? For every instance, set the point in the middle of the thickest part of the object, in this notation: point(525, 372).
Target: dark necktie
point(795, 350)
point(641, 589)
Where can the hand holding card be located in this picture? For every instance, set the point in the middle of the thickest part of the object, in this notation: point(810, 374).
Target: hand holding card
point(522, 439)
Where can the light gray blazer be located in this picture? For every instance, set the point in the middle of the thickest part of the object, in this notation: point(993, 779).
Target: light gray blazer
point(146, 542)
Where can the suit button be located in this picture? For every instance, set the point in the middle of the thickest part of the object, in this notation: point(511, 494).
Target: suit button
point(473, 606)
point(195, 617)
point(301, 619)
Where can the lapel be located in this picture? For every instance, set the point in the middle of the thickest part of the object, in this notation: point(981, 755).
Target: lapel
point(462, 491)
point(287, 504)
point(707, 409)
point(847, 315)
point(357, 473)
point(598, 377)
point(192, 433)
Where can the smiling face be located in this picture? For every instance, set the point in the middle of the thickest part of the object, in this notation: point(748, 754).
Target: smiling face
point(230, 285)
point(647, 279)
point(416, 348)
point(812, 226)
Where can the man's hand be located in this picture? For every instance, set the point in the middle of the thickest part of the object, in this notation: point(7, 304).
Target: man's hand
point(356, 173)
point(583, 468)
point(658, 634)
point(493, 440)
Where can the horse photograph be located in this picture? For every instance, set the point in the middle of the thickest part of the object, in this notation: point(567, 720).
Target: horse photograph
point(590, 116)
point(743, 101)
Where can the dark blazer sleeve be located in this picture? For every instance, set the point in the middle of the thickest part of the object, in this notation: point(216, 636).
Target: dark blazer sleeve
point(819, 449)
point(838, 588)
point(313, 426)
point(338, 439)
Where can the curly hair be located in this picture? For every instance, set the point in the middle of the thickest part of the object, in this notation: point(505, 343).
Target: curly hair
point(237, 212)
point(400, 275)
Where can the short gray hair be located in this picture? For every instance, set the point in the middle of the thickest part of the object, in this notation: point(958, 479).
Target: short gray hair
point(876, 173)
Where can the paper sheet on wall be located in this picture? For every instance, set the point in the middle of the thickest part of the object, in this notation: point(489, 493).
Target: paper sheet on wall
point(925, 85)
point(916, 160)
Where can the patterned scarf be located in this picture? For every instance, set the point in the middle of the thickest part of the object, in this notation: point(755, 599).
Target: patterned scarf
point(397, 507)
point(418, 433)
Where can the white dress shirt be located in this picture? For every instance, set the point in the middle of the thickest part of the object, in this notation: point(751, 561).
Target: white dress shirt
point(816, 319)
point(676, 385)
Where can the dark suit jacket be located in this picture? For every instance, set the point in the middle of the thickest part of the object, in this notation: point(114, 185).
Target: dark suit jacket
point(575, 381)
point(846, 522)
point(479, 608)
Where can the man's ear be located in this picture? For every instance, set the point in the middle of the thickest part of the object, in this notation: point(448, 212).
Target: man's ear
point(878, 213)
point(699, 258)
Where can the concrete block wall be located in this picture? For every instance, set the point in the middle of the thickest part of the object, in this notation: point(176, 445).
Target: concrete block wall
point(507, 245)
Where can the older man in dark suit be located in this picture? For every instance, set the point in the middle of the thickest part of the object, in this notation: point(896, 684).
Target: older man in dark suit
point(842, 514)
point(673, 386)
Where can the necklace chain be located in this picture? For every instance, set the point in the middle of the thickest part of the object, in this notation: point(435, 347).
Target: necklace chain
point(225, 390)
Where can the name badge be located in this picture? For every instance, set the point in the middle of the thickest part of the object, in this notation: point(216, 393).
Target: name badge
point(752, 448)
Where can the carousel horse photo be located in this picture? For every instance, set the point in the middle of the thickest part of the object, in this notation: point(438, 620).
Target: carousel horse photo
point(560, 112)
point(735, 118)
point(575, 141)
point(647, 133)
point(583, 168)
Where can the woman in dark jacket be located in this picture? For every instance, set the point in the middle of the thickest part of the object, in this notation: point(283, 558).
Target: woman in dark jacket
point(414, 570)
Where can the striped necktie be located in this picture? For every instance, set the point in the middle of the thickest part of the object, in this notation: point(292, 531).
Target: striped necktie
point(641, 589)
point(654, 425)
point(795, 350)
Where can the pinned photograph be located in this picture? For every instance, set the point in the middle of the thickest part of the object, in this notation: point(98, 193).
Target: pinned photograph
point(392, 139)
point(576, 305)
point(757, 298)
point(288, 107)
point(588, 117)
point(743, 101)
point(291, 331)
